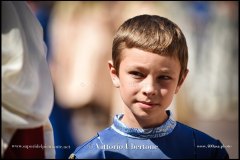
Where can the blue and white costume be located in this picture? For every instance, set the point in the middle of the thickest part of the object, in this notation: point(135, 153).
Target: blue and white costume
point(170, 140)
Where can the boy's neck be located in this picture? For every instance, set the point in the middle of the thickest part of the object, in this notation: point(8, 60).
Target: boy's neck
point(131, 121)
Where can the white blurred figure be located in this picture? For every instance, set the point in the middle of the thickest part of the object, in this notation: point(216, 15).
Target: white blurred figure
point(27, 90)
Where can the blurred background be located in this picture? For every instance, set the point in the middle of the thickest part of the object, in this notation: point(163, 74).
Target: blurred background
point(79, 38)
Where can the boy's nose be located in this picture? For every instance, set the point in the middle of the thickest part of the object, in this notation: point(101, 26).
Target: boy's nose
point(149, 89)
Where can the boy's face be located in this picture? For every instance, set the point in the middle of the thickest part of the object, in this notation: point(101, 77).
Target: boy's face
point(147, 82)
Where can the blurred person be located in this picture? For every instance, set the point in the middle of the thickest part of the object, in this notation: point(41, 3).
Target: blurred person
point(79, 35)
point(83, 36)
point(149, 65)
point(27, 90)
point(209, 61)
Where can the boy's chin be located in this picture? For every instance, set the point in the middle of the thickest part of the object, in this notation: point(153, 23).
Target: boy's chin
point(143, 114)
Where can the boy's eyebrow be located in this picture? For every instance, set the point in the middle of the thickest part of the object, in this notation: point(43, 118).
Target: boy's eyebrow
point(137, 66)
point(164, 70)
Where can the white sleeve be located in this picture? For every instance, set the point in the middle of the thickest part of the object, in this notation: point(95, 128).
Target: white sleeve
point(27, 90)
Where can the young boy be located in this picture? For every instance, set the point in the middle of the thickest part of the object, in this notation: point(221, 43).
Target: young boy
point(149, 66)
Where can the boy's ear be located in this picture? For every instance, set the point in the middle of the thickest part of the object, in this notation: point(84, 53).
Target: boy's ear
point(113, 74)
point(181, 81)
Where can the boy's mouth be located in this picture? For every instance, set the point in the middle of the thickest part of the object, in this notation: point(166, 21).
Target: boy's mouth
point(147, 105)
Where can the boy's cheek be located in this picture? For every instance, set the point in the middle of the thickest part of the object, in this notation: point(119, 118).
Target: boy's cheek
point(130, 89)
point(164, 92)
point(132, 85)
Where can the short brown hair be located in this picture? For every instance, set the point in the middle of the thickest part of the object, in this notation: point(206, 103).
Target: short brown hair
point(151, 33)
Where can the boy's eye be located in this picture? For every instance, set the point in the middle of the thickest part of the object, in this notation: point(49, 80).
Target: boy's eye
point(136, 74)
point(164, 78)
